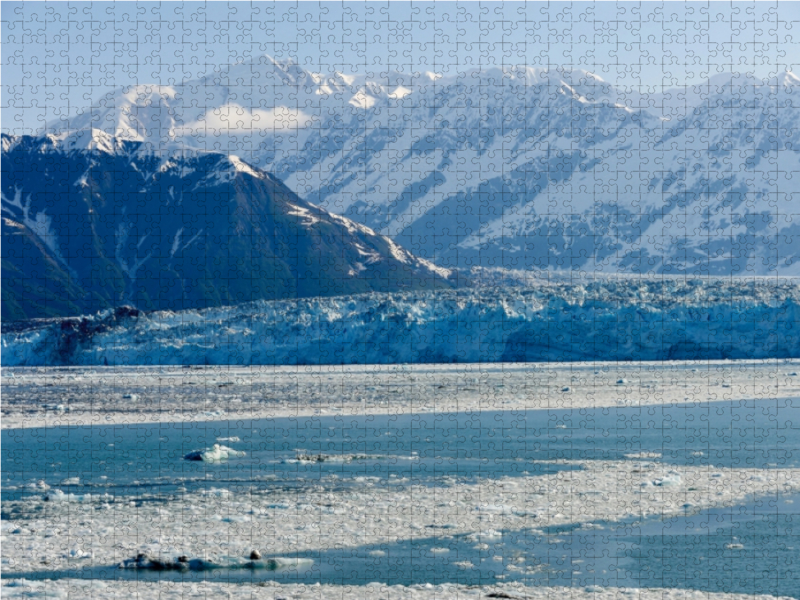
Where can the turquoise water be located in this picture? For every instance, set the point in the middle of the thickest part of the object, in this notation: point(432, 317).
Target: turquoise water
point(752, 548)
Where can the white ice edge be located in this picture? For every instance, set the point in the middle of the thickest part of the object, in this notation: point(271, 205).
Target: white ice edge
point(107, 590)
point(193, 395)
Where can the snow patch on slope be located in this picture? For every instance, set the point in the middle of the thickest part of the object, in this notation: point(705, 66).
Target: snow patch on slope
point(40, 223)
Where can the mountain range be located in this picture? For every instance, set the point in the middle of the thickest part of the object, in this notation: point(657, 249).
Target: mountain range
point(92, 221)
point(264, 180)
point(507, 166)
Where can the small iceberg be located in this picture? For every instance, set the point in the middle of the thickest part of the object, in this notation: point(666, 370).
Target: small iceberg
point(217, 453)
point(734, 546)
point(672, 479)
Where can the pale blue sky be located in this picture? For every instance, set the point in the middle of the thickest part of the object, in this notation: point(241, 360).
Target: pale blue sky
point(58, 57)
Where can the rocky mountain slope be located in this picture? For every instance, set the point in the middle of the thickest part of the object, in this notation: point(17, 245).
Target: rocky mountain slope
point(92, 221)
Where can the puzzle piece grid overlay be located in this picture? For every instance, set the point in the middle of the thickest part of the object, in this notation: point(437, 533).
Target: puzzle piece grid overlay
point(400, 300)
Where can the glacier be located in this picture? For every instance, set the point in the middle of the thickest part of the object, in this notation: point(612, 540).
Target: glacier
point(549, 320)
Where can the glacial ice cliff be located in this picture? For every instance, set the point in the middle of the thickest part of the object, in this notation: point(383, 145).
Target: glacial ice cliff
point(614, 319)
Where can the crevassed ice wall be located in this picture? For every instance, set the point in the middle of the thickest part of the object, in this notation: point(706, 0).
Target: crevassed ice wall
point(613, 320)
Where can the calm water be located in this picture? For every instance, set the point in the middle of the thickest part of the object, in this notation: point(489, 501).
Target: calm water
point(752, 548)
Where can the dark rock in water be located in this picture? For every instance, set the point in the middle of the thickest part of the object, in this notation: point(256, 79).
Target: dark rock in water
point(183, 559)
point(196, 455)
point(255, 555)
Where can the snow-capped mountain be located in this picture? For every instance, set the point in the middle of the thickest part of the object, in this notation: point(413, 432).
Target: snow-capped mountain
point(659, 319)
point(515, 166)
point(92, 221)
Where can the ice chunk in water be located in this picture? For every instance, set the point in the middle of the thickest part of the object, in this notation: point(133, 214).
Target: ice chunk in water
point(217, 453)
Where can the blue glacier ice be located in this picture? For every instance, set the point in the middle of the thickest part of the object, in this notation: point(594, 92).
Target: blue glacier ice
point(611, 319)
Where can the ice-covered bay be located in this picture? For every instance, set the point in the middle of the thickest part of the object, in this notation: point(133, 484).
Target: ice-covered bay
point(38, 397)
point(473, 473)
point(57, 531)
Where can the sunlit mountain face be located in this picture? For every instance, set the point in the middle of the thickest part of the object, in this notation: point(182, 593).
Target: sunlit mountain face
point(514, 167)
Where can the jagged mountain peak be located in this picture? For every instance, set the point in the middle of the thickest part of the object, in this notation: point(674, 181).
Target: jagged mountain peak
point(544, 147)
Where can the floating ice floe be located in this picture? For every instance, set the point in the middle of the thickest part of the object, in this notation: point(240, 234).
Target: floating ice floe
point(217, 453)
point(318, 458)
point(214, 413)
point(671, 479)
point(57, 495)
point(185, 563)
point(488, 534)
point(78, 552)
point(217, 493)
point(636, 455)
point(38, 486)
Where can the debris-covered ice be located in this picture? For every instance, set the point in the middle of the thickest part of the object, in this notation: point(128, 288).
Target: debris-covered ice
point(185, 563)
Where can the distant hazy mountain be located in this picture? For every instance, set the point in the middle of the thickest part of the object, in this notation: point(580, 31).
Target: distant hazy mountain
point(515, 167)
point(92, 221)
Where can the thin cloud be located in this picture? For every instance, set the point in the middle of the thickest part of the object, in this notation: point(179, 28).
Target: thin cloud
point(233, 118)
